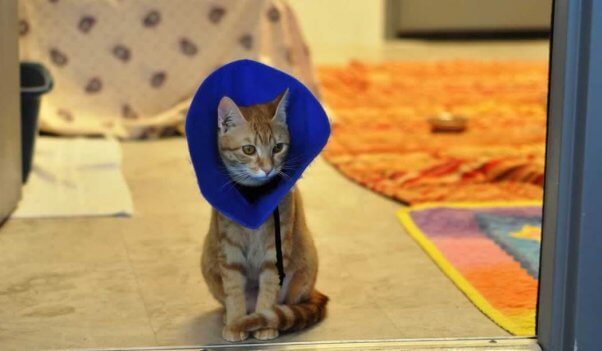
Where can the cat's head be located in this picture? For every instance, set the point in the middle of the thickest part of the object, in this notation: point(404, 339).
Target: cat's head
point(253, 140)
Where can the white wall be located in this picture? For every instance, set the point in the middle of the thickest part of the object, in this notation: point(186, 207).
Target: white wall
point(417, 15)
point(332, 24)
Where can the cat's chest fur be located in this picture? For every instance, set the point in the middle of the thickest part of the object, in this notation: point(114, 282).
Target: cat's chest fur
point(255, 250)
point(254, 247)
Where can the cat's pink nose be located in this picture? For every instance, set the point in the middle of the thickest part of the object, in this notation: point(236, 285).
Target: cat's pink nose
point(266, 170)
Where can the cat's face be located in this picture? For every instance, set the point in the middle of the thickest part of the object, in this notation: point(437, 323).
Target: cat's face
point(253, 141)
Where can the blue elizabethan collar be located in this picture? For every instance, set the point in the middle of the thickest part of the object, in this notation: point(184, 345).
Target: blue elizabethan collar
point(248, 83)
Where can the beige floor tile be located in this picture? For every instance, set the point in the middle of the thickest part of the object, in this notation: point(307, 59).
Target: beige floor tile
point(63, 305)
point(442, 322)
point(172, 288)
point(190, 325)
point(77, 240)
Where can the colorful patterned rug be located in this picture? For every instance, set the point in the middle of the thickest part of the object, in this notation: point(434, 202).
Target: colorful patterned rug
point(382, 139)
point(490, 251)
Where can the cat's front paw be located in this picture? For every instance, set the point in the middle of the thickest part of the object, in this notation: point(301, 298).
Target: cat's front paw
point(265, 334)
point(234, 335)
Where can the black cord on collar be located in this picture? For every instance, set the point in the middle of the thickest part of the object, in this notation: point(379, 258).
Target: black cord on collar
point(252, 194)
point(277, 239)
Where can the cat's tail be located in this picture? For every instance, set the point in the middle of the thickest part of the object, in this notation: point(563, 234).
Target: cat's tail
point(287, 317)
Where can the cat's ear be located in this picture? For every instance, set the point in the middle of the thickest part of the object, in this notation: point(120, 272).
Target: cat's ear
point(282, 103)
point(228, 115)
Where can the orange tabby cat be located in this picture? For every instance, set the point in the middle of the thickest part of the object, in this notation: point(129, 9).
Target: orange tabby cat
point(239, 264)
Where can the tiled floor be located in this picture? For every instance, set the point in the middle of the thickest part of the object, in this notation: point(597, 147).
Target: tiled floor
point(122, 282)
point(125, 282)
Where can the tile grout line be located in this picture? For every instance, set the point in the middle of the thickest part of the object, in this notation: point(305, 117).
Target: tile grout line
point(139, 289)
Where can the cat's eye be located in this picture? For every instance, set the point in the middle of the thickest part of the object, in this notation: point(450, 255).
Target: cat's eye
point(248, 149)
point(277, 148)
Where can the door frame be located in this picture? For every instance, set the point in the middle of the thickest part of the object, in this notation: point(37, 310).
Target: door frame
point(570, 304)
point(10, 111)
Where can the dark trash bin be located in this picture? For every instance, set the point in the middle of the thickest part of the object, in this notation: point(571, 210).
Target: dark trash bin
point(35, 81)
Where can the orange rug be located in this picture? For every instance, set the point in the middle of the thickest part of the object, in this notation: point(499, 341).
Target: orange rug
point(382, 139)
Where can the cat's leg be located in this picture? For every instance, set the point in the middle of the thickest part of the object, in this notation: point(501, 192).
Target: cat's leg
point(298, 289)
point(251, 296)
point(269, 281)
point(233, 271)
point(267, 295)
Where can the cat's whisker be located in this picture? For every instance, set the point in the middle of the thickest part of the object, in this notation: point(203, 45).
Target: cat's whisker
point(292, 162)
point(289, 167)
point(237, 176)
point(293, 159)
point(229, 184)
point(284, 175)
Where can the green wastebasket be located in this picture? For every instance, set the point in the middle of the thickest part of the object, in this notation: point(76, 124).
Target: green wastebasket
point(35, 81)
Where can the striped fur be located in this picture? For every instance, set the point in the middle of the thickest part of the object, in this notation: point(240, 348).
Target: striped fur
point(287, 317)
point(239, 264)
